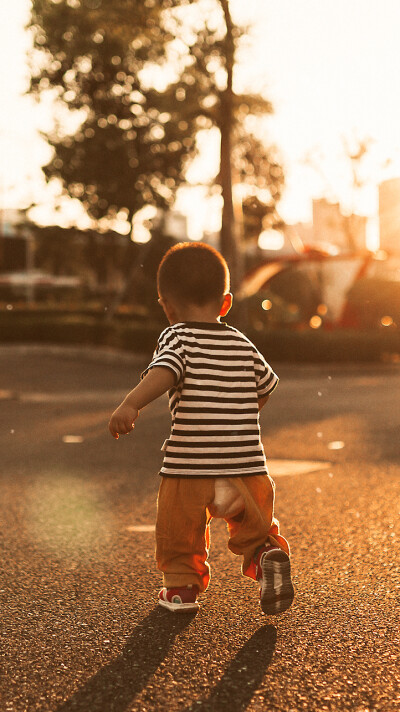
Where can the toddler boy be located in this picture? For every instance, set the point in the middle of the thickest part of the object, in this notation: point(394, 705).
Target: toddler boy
point(214, 463)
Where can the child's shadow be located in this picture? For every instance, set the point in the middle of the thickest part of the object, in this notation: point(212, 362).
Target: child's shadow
point(243, 675)
point(115, 685)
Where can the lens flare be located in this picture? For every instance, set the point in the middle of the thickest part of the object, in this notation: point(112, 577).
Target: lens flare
point(68, 516)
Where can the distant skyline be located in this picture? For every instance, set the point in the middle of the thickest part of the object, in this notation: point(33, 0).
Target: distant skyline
point(329, 68)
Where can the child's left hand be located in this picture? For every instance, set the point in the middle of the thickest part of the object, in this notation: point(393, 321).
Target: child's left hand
point(122, 420)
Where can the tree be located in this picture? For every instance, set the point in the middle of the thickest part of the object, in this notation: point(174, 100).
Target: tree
point(212, 58)
point(101, 59)
point(131, 145)
point(259, 168)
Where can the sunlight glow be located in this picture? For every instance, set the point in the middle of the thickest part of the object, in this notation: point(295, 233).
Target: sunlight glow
point(64, 516)
point(141, 223)
point(315, 106)
point(271, 240)
point(140, 233)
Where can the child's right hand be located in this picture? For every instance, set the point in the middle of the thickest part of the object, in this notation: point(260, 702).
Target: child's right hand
point(122, 420)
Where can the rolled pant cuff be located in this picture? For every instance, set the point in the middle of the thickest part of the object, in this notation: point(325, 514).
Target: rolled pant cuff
point(181, 580)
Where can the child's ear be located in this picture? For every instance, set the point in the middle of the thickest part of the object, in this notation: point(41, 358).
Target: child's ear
point(226, 304)
point(168, 309)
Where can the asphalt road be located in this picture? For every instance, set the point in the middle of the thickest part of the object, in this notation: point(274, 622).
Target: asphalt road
point(80, 627)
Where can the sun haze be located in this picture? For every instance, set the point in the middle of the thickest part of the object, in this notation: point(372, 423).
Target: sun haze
point(328, 67)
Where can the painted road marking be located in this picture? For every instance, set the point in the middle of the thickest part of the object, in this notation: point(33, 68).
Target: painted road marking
point(283, 468)
point(70, 397)
point(336, 445)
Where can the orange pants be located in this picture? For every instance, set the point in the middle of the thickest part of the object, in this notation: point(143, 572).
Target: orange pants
point(183, 521)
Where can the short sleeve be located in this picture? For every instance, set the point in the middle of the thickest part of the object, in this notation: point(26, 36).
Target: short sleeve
point(170, 354)
point(266, 379)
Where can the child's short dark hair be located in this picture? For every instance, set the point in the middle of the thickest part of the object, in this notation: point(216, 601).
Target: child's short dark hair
point(193, 272)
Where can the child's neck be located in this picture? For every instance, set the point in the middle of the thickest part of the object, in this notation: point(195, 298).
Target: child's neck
point(192, 312)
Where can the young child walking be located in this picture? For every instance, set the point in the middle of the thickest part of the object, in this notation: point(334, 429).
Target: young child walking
point(214, 463)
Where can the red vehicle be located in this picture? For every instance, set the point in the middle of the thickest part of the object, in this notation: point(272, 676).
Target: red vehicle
point(322, 289)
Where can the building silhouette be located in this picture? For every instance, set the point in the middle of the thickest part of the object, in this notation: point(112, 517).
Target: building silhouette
point(389, 215)
point(332, 228)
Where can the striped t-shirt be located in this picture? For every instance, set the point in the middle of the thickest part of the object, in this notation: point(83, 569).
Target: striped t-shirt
point(214, 404)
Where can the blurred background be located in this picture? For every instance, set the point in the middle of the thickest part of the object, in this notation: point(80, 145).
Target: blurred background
point(268, 130)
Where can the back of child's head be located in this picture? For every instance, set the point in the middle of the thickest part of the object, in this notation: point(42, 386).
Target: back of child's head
point(194, 273)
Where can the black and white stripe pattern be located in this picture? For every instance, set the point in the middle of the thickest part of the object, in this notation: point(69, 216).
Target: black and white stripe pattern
point(214, 405)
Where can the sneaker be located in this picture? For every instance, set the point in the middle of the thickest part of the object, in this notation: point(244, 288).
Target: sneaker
point(179, 599)
point(273, 575)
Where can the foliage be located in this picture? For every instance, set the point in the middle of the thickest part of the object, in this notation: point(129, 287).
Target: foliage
point(103, 59)
point(259, 167)
point(131, 145)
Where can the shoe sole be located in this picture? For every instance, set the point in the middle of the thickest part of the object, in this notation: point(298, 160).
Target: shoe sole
point(179, 607)
point(277, 592)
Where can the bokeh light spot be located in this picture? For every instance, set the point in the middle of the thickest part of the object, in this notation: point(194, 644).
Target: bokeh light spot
point(266, 304)
point(315, 321)
point(271, 240)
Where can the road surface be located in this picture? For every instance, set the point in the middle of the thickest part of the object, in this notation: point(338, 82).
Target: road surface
point(80, 626)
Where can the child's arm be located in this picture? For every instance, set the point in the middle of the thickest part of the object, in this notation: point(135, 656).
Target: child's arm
point(262, 401)
point(156, 382)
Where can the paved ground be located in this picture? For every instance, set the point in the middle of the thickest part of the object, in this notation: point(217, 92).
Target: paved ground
point(80, 629)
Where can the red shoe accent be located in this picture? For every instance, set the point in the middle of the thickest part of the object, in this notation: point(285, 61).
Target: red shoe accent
point(179, 599)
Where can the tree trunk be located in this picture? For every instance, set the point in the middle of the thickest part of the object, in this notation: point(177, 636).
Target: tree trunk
point(228, 241)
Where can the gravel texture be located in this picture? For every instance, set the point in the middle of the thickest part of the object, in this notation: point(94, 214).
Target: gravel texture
point(80, 628)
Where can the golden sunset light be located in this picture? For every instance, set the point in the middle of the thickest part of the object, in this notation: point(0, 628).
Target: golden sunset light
point(328, 69)
point(199, 355)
